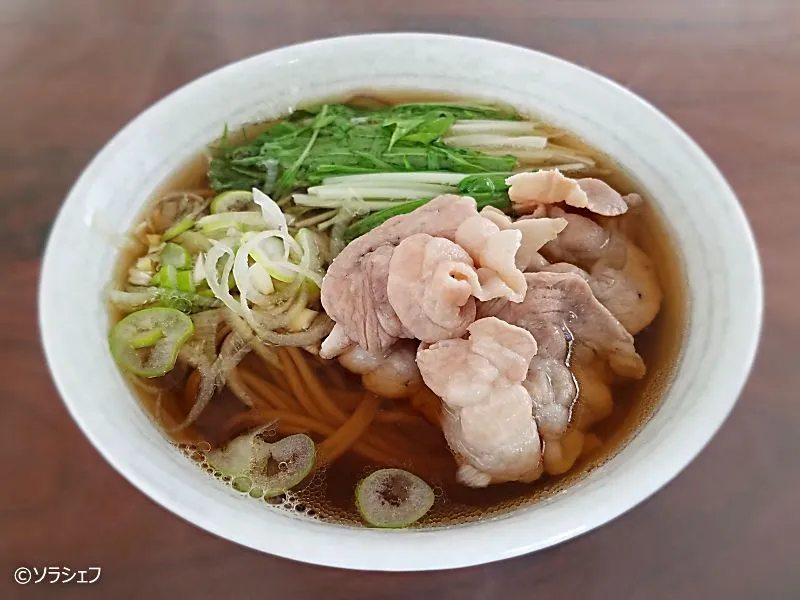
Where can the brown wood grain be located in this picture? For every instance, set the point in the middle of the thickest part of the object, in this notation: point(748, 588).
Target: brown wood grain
point(73, 71)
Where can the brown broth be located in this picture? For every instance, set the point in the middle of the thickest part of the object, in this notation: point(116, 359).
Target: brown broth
point(328, 494)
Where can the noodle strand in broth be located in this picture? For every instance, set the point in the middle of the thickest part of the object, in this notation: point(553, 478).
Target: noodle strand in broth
point(331, 410)
point(352, 429)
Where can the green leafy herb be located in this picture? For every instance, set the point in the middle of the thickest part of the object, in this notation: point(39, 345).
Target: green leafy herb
point(458, 110)
point(337, 139)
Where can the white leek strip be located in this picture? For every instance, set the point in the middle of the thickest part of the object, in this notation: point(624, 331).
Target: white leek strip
point(316, 202)
point(489, 141)
point(467, 127)
point(393, 179)
point(273, 248)
point(217, 283)
point(199, 272)
point(272, 251)
point(567, 151)
point(569, 166)
point(289, 245)
point(412, 191)
point(312, 255)
point(311, 260)
point(299, 269)
point(272, 213)
point(302, 270)
point(305, 248)
point(540, 157)
point(241, 273)
point(261, 280)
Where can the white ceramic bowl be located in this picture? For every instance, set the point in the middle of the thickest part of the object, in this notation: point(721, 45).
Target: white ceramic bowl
point(706, 219)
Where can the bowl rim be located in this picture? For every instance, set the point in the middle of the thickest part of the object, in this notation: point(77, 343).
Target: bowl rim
point(444, 547)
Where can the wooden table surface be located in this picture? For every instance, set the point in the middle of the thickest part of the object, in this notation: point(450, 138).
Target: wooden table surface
point(74, 71)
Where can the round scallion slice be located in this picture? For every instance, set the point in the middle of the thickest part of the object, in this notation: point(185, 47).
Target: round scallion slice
point(175, 255)
point(183, 281)
point(167, 277)
point(261, 468)
point(147, 342)
point(292, 457)
point(240, 220)
point(193, 241)
point(393, 498)
point(233, 201)
point(234, 458)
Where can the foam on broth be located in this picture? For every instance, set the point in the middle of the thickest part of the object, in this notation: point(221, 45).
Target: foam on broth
point(328, 494)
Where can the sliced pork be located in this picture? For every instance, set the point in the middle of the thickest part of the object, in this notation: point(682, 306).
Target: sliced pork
point(494, 252)
point(620, 275)
point(630, 291)
point(573, 331)
point(536, 232)
point(336, 343)
point(430, 287)
point(510, 412)
point(354, 287)
point(529, 190)
point(487, 417)
point(565, 301)
point(582, 242)
point(392, 376)
point(402, 281)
